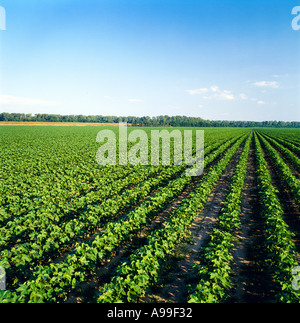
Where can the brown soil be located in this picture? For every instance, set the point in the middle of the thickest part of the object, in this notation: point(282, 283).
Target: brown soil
point(252, 284)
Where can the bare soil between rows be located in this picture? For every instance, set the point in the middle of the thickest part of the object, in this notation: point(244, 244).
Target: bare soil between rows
point(252, 283)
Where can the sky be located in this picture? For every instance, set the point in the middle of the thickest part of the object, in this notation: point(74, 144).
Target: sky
point(218, 60)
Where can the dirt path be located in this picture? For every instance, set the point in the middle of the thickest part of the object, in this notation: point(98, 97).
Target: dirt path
point(251, 284)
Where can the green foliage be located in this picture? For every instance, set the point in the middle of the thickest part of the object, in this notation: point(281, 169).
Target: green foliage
point(57, 201)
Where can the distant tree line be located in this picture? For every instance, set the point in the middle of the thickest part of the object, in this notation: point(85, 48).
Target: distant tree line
point(163, 120)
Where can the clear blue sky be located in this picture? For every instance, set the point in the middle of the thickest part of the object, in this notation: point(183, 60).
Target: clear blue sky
point(219, 60)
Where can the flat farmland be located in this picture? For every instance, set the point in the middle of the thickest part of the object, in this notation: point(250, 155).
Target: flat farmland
point(73, 231)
